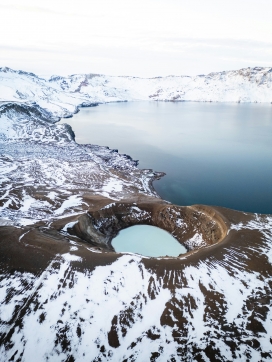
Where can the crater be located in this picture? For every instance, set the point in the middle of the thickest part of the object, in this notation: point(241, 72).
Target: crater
point(194, 227)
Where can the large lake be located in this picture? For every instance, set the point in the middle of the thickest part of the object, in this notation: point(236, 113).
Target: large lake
point(212, 153)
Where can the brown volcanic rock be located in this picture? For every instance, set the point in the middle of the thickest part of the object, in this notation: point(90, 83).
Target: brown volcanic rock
point(104, 220)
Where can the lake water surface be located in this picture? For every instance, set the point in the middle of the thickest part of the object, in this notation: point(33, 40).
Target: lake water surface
point(148, 241)
point(213, 153)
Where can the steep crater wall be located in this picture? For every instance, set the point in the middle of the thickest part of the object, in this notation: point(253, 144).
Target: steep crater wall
point(194, 227)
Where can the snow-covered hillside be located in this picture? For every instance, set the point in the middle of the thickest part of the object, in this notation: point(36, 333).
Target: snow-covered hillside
point(39, 157)
point(62, 95)
point(216, 307)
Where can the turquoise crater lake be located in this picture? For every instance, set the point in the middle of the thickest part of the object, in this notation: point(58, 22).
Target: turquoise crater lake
point(147, 240)
point(212, 153)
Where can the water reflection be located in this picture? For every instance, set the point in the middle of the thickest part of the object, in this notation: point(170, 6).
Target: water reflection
point(213, 153)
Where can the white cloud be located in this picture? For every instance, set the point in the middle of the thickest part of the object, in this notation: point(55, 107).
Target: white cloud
point(143, 37)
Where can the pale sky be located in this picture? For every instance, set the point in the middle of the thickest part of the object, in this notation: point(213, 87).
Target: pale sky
point(141, 38)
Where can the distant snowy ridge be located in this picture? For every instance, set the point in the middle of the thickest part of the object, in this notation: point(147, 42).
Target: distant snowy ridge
point(63, 95)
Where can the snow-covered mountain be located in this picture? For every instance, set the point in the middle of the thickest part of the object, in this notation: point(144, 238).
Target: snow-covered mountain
point(62, 95)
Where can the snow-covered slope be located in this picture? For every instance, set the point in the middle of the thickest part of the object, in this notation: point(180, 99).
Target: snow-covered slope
point(245, 85)
point(214, 308)
point(62, 95)
point(41, 167)
point(21, 86)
